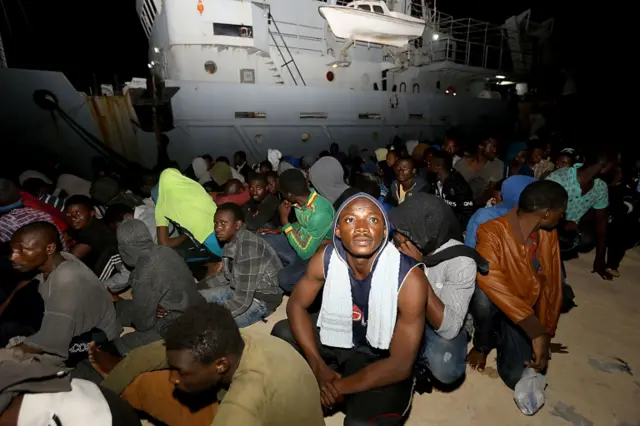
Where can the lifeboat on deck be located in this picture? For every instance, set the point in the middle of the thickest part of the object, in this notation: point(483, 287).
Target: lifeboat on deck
point(372, 21)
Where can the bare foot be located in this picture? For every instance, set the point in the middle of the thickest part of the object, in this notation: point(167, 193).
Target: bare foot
point(103, 362)
point(476, 359)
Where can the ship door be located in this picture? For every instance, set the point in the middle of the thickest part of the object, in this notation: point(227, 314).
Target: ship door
point(384, 80)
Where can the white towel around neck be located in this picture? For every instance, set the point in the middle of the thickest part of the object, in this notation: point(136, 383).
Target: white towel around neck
point(335, 319)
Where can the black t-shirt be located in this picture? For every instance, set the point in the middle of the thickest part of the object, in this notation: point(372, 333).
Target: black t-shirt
point(103, 244)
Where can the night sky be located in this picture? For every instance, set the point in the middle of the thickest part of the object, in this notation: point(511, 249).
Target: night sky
point(104, 37)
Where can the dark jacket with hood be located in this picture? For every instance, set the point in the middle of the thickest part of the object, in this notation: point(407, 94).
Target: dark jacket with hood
point(418, 185)
point(160, 277)
point(456, 192)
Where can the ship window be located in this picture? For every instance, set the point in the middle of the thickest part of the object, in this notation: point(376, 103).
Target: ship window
point(375, 87)
point(247, 114)
point(247, 76)
point(403, 87)
point(365, 7)
point(369, 116)
point(416, 88)
point(321, 115)
point(416, 116)
point(378, 9)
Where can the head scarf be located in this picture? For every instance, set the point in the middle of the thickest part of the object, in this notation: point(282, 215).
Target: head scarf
point(200, 170)
point(134, 241)
point(308, 161)
point(274, 156)
point(283, 166)
point(511, 190)
point(418, 152)
point(104, 189)
point(427, 221)
point(221, 173)
point(327, 177)
point(381, 154)
point(411, 145)
point(33, 174)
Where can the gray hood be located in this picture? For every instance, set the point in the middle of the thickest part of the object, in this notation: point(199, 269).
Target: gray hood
point(327, 177)
point(134, 241)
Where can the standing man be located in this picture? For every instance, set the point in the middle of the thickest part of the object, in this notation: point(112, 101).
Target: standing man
point(363, 344)
point(586, 185)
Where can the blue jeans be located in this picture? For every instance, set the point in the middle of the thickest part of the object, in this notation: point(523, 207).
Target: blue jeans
point(256, 312)
point(294, 266)
point(445, 359)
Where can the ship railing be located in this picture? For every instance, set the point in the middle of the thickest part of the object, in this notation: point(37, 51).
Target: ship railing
point(467, 41)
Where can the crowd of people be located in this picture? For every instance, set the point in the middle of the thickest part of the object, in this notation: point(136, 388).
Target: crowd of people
point(121, 292)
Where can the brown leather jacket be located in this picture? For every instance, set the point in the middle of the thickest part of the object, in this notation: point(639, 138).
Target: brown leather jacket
point(531, 300)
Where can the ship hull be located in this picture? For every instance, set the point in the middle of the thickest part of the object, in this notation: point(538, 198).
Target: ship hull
point(220, 119)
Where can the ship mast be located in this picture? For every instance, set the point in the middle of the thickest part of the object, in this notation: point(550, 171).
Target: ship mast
point(3, 55)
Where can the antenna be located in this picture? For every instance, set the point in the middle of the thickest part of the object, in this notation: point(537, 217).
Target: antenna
point(3, 55)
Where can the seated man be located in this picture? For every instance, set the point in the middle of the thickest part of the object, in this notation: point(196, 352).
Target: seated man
point(248, 282)
point(450, 186)
point(524, 279)
point(371, 321)
point(272, 183)
point(296, 243)
point(160, 281)
point(426, 229)
point(407, 181)
point(77, 307)
point(261, 211)
point(267, 383)
point(96, 244)
point(234, 192)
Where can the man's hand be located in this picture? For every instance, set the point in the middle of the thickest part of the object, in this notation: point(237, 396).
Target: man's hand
point(540, 353)
point(284, 210)
point(330, 395)
point(325, 376)
point(600, 267)
point(572, 227)
point(268, 231)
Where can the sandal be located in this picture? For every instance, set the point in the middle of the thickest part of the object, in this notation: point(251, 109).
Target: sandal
point(613, 272)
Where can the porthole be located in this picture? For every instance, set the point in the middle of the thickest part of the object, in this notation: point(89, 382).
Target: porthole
point(210, 67)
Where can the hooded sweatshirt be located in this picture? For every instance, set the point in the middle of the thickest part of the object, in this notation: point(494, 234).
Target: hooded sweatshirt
point(511, 190)
point(451, 268)
point(327, 177)
point(360, 289)
point(160, 277)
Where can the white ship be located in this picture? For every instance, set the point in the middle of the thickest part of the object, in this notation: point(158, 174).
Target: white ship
point(252, 75)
